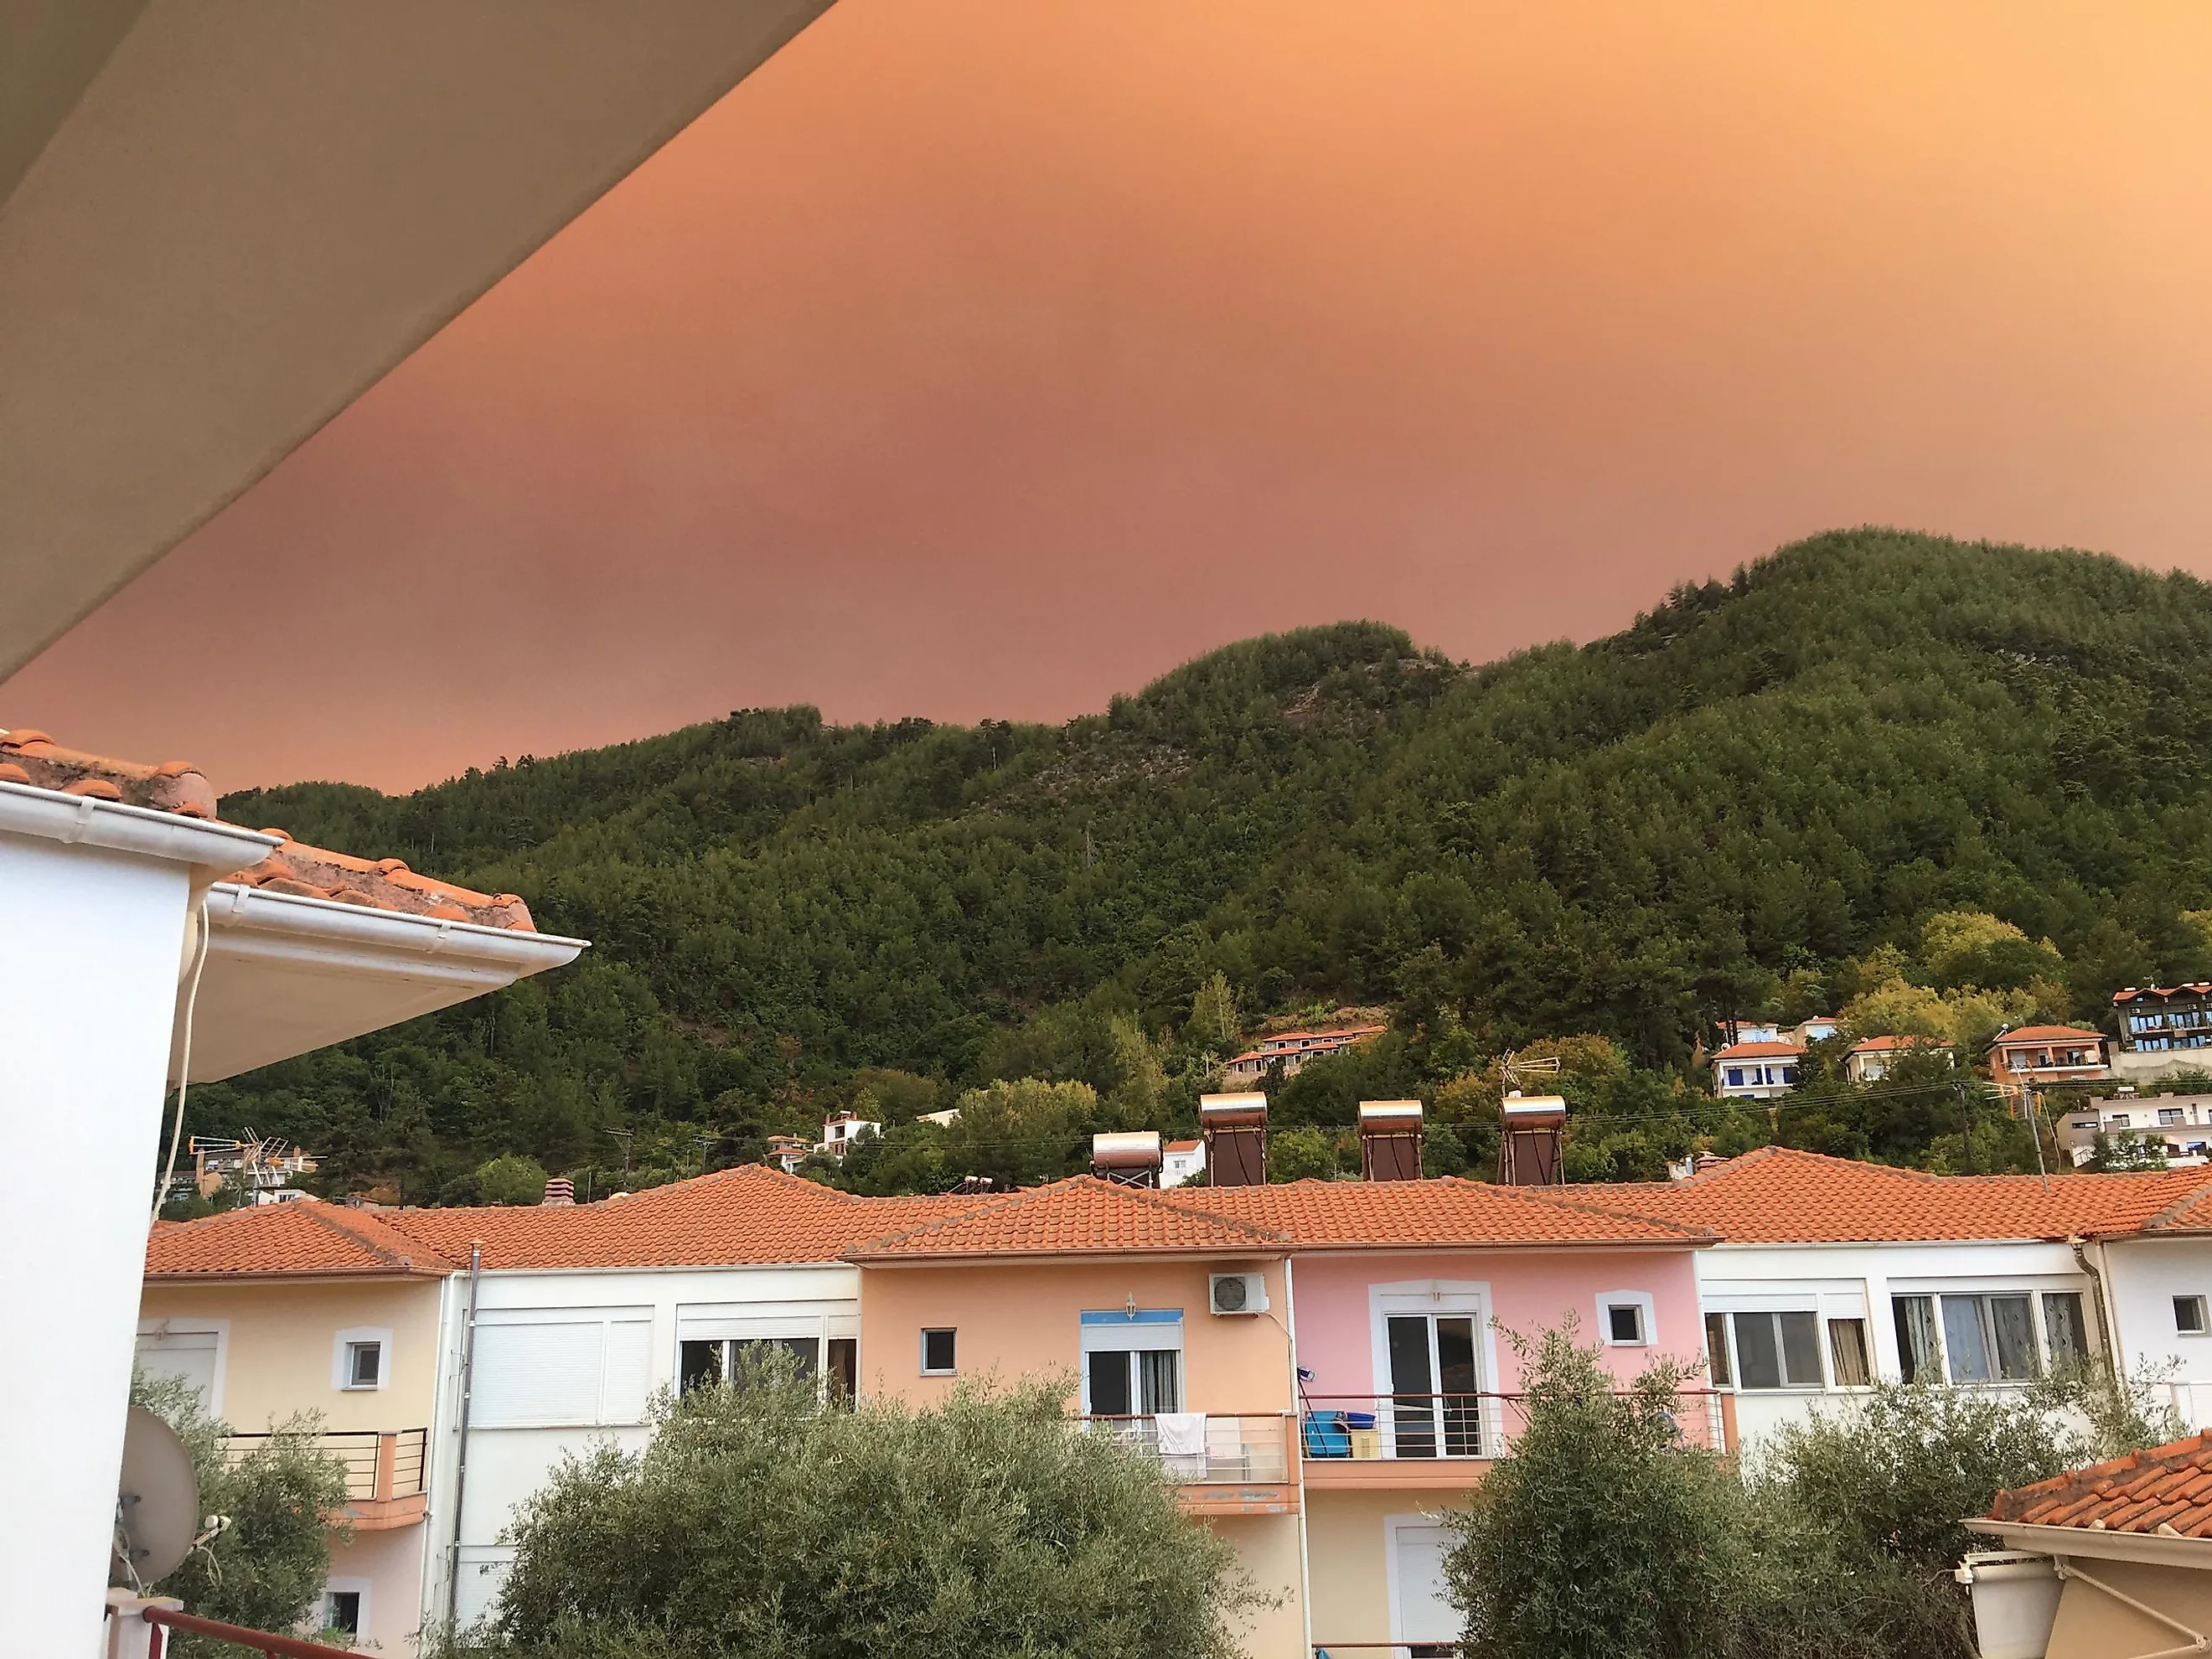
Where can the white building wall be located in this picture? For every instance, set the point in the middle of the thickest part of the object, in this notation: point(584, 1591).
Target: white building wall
point(2144, 1276)
point(91, 939)
point(1835, 1280)
point(505, 1465)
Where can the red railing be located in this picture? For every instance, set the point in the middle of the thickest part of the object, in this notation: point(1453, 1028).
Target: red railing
point(257, 1641)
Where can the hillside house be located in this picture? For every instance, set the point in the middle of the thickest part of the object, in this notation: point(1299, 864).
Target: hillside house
point(1872, 1058)
point(1763, 1070)
point(2165, 1029)
point(1293, 1049)
point(2178, 1127)
point(2048, 1054)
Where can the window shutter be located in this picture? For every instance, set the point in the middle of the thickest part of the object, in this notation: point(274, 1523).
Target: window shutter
point(532, 1375)
point(628, 1373)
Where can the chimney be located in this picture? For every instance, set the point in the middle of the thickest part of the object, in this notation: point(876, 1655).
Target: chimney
point(1529, 1130)
point(1235, 1131)
point(559, 1190)
point(1390, 1139)
point(1131, 1159)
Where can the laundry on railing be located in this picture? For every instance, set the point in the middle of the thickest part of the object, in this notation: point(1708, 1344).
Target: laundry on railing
point(1181, 1434)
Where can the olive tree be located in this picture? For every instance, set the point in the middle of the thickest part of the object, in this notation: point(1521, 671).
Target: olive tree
point(282, 1501)
point(762, 1521)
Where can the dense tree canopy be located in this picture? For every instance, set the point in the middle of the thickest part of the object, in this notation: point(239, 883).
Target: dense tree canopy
point(1954, 781)
point(766, 1522)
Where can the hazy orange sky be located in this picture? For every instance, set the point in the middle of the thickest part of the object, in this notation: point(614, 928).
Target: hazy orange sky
point(982, 359)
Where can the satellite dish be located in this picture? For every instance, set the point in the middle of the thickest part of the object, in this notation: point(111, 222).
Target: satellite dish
point(157, 1504)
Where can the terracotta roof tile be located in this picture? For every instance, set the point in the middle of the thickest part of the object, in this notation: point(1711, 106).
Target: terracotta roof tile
point(1779, 1195)
point(1435, 1214)
point(176, 787)
point(380, 884)
point(2046, 1034)
point(2169, 1486)
point(1885, 1045)
point(1081, 1214)
point(753, 1215)
point(305, 1236)
point(1758, 1050)
point(32, 757)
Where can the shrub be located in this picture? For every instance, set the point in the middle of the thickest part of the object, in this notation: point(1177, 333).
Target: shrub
point(761, 1522)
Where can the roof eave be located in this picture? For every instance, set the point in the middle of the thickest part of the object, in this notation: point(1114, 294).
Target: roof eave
point(2109, 1544)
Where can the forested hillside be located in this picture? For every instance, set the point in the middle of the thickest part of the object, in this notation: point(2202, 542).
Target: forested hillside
point(1774, 794)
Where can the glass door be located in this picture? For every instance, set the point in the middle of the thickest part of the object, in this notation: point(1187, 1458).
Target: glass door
point(1435, 1389)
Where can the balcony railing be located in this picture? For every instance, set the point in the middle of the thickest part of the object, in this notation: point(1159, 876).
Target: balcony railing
point(380, 1464)
point(1397, 1427)
point(1251, 1449)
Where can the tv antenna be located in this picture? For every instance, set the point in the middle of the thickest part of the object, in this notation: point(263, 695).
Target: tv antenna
point(1518, 1070)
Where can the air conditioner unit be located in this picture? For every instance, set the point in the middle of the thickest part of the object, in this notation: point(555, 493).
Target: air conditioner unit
point(1237, 1293)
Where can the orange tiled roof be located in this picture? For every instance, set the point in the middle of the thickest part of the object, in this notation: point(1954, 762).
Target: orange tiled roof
point(1081, 1214)
point(2167, 1489)
point(753, 1215)
point(1779, 1195)
point(2047, 1033)
point(32, 757)
point(2190, 987)
point(305, 1236)
point(1758, 1050)
point(1434, 1214)
point(383, 884)
point(1883, 1045)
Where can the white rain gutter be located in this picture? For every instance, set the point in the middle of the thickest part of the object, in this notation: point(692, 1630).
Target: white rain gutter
point(114, 826)
point(289, 927)
point(2155, 1548)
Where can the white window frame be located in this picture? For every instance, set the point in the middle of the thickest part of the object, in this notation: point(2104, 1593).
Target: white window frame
point(927, 1370)
point(342, 1354)
point(2203, 1317)
point(2035, 1287)
point(1136, 1337)
point(1467, 1296)
point(1647, 1317)
point(350, 1587)
point(185, 1325)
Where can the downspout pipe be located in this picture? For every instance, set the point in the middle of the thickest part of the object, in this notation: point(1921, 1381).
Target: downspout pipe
point(461, 1452)
point(2080, 1246)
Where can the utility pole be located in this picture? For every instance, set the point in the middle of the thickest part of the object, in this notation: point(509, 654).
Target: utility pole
point(1966, 1128)
point(625, 1136)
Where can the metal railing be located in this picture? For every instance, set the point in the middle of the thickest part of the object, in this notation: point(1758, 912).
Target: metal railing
point(1399, 1426)
point(1252, 1447)
point(380, 1463)
point(255, 1641)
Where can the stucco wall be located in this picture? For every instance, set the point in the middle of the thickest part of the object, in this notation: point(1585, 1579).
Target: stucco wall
point(1023, 1319)
point(391, 1564)
point(1268, 1548)
point(281, 1341)
point(1346, 1554)
point(1528, 1292)
point(2145, 1275)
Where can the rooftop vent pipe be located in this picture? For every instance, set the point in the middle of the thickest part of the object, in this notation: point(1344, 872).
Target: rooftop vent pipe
point(1235, 1131)
point(1390, 1139)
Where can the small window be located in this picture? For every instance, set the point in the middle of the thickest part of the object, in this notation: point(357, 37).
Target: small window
point(1847, 1353)
point(342, 1611)
point(364, 1369)
point(1789, 1074)
point(2169, 1114)
point(937, 1353)
point(1735, 1077)
point(1624, 1322)
point(1717, 1350)
point(2118, 1121)
point(2189, 1315)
